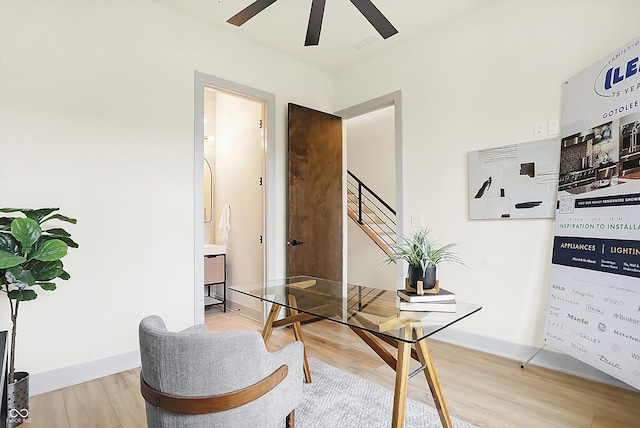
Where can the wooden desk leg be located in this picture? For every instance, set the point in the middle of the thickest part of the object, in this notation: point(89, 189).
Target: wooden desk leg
point(402, 382)
point(373, 343)
point(268, 326)
point(297, 333)
point(436, 392)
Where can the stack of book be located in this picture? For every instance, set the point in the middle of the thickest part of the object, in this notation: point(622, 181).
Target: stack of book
point(442, 301)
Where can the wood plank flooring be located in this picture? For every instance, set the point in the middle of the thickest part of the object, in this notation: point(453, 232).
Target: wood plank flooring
point(480, 388)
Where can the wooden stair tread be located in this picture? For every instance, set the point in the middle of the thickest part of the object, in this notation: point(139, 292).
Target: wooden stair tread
point(384, 246)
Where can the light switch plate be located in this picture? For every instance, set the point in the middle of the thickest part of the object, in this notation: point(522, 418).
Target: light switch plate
point(417, 220)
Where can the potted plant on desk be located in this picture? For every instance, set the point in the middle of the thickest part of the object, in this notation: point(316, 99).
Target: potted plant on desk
point(423, 255)
point(29, 256)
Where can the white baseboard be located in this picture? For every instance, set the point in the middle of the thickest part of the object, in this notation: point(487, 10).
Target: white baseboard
point(39, 383)
point(83, 372)
point(245, 311)
point(51, 380)
point(547, 358)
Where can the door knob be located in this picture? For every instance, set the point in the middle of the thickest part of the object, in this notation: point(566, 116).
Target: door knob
point(294, 242)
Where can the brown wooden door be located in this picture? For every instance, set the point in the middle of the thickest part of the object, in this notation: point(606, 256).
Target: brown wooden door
point(315, 195)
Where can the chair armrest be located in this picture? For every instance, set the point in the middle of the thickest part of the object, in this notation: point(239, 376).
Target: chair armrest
point(213, 403)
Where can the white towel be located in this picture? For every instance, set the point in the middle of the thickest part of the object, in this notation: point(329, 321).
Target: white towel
point(225, 221)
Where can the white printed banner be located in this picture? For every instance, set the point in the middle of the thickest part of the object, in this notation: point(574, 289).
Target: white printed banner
point(593, 307)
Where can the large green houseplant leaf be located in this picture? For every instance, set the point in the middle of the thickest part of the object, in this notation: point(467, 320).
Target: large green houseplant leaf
point(30, 257)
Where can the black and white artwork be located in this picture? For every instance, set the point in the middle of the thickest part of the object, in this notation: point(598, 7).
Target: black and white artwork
point(515, 181)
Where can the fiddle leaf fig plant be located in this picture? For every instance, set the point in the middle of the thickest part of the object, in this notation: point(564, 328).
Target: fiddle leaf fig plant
point(30, 256)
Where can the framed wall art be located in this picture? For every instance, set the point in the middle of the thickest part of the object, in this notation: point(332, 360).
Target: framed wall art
point(514, 181)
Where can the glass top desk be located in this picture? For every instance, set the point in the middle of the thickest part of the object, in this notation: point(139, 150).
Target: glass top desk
point(372, 314)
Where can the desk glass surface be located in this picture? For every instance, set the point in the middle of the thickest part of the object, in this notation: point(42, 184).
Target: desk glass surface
point(365, 308)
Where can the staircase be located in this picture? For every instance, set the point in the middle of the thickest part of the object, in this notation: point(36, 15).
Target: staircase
point(373, 215)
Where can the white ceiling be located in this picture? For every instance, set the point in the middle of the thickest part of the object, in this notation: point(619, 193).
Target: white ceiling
point(283, 25)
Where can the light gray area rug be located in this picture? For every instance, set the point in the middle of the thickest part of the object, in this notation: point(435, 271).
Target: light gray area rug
point(338, 399)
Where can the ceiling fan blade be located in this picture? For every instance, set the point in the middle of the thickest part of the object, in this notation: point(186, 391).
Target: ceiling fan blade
point(375, 17)
point(249, 12)
point(315, 23)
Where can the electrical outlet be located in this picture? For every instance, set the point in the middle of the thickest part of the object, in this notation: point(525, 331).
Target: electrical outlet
point(417, 221)
point(554, 127)
point(540, 129)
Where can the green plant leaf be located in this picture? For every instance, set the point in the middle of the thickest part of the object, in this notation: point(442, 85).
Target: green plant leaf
point(19, 277)
point(49, 250)
point(48, 286)
point(40, 213)
point(14, 210)
point(61, 217)
point(26, 231)
point(9, 260)
point(63, 235)
point(9, 244)
point(5, 223)
point(58, 233)
point(46, 271)
point(22, 295)
point(64, 275)
point(70, 242)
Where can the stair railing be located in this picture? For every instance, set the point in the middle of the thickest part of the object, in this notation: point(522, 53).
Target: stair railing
point(372, 210)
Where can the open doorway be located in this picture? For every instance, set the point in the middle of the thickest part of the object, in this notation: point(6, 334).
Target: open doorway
point(233, 209)
point(374, 151)
point(371, 197)
point(233, 200)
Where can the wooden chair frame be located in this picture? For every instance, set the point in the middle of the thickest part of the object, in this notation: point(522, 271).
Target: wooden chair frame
point(215, 403)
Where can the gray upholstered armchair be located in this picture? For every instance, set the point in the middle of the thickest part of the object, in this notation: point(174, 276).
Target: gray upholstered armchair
point(197, 378)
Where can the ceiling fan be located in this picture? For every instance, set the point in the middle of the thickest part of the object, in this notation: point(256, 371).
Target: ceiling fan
point(366, 8)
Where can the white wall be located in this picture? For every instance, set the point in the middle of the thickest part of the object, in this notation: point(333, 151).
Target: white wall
point(96, 117)
point(480, 82)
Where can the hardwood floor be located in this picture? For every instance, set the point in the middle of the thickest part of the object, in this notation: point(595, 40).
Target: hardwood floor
point(483, 389)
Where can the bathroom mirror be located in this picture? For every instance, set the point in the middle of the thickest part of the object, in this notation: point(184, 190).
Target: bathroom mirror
point(208, 192)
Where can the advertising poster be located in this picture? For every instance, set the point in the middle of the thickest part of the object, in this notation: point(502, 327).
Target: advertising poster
point(593, 306)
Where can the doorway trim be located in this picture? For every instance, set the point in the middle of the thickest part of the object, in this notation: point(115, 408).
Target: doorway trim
point(391, 99)
point(269, 181)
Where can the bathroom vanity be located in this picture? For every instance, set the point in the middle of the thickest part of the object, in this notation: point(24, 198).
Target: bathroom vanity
point(215, 273)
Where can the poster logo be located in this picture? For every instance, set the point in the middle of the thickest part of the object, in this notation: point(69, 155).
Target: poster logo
point(578, 347)
point(615, 76)
point(18, 416)
point(595, 309)
point(15, 413)
point(604, 359)
point(610, 81)
point(578, 319)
